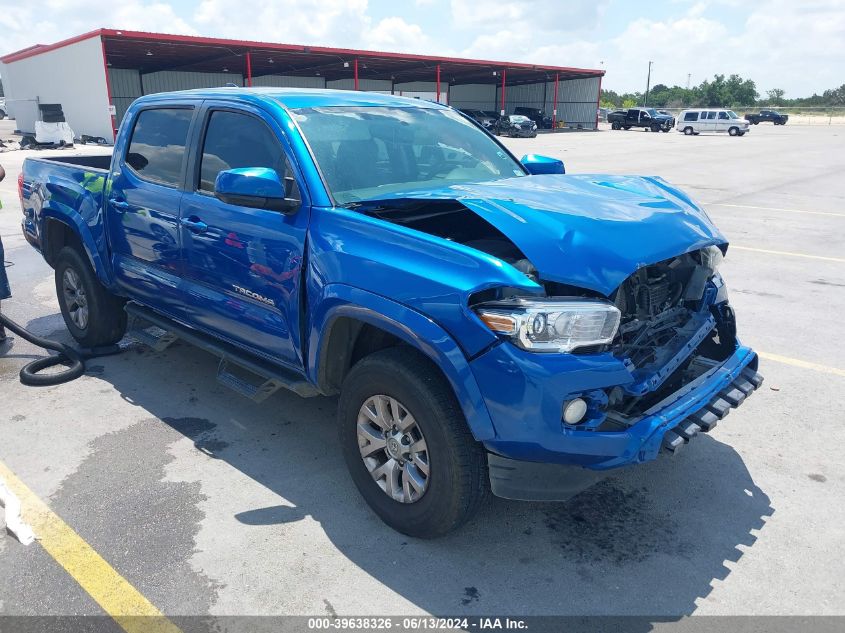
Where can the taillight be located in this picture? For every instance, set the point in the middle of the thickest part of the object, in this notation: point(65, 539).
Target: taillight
point(20, 187)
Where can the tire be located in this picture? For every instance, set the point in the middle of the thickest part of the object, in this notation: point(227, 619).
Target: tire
point(615, 125)
point(457, 483)
point(2, 115)
point(627, 127)
point(755, 122)
point(655, 128)
point(94, 316)
point(741, 133)
point(689, 131)
point(733, 131)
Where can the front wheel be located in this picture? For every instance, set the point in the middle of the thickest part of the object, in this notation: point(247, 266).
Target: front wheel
point(407, 445)
point(615, 125)
point(742, 134)
point(733, 131)
point(688, 131)
point(94, 316)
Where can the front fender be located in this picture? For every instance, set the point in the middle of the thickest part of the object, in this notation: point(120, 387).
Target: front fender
point(415, 329)
point(74, 222)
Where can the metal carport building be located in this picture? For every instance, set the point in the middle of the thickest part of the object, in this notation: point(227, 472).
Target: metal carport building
point(95, 76)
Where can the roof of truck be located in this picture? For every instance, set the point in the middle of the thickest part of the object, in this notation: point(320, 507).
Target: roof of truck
point(296, 97)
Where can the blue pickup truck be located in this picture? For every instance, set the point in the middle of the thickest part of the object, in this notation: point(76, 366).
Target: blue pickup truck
point(489, 324)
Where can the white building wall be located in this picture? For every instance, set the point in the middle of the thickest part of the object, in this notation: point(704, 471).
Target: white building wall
point(73, 76)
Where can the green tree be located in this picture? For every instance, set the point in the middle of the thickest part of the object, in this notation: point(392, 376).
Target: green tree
point(775, 95)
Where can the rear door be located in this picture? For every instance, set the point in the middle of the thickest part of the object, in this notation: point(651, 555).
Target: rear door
point(243, 265)
point(142, 206)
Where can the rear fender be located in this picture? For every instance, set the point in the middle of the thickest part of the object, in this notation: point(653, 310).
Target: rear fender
point(74, 223)
point(415, 329)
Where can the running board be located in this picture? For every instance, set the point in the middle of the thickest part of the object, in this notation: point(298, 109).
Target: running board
point(270, 377)
point(706, 418)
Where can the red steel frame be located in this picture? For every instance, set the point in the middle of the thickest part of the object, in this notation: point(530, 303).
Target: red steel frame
point(356, 73)
point(554, 103)
point(438, 84)
point(248, 69)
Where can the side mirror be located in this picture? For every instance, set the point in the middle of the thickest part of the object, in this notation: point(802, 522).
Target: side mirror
point(537, 164)
point(257, 187)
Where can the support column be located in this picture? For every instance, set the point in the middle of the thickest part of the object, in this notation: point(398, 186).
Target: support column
point(438, 83)
point(248, 69)
point(355, 68)
point(504, 77)
point(111, 106)
point(554, 103)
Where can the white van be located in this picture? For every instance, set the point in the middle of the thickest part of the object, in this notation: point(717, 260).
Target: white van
point(701, 120)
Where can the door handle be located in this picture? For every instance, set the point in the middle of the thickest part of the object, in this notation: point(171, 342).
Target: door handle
point(120, 205)
point(194, 224)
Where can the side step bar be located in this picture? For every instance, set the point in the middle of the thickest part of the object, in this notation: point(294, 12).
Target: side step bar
point(161, 332)
point(719, 406)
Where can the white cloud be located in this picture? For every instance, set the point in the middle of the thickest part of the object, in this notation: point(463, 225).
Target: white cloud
point(528, 15)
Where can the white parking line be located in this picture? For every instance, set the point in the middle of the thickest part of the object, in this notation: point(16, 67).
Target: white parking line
point(787, 253)
point(748, 206)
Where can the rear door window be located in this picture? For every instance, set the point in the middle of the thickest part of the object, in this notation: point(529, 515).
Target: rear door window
point(234, 140)
point(691, 116)
point(157, 149)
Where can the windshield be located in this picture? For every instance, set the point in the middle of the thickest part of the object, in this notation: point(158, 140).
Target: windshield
point(732, 114)
point(370, 152)
point(518, 118)
point(652, 112)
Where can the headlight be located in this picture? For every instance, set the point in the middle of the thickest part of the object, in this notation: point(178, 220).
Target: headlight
point(552, 326)
point(712, 257)
point(534, 126)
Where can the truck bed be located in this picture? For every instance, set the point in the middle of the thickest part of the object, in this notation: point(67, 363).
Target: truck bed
point(91, 162)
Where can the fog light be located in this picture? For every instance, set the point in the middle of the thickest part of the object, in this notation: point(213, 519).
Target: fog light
point(574, 411)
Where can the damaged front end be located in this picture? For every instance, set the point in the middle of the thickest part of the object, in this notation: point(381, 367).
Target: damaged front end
point(672, 368)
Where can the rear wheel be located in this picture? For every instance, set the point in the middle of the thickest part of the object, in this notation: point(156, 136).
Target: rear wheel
point(615, 125)
point(407, 445)
point(688, 131)
point(94, 316)
point(627, 127)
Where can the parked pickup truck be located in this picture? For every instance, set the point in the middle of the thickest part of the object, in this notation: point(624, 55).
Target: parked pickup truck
point(767, 115)
point(647, 118)
point(489, 324)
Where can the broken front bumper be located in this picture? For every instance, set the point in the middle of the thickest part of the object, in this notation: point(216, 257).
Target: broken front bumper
point(526, 412)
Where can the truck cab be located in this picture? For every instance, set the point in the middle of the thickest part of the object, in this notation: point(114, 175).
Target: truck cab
point(488, 323)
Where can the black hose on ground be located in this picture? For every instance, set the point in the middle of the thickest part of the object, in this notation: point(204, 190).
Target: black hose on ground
point(72, 357)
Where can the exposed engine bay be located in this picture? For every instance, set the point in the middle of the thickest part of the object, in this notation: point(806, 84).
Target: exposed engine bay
point(675, 327)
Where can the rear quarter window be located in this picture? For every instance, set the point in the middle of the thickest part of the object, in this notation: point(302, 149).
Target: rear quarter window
point(157, 149)
point(691, 116)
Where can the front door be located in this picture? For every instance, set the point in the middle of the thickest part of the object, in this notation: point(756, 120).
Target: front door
point(243, 265)
point(142, 207)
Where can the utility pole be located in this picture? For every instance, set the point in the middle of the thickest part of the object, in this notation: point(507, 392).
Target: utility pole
point(689, 76)
point(648, 83)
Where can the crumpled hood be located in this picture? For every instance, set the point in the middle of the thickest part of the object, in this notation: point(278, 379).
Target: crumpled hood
point(590, 231)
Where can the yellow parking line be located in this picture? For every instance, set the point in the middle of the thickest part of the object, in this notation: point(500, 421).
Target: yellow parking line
point(119, 599)
point(788, 253)
point(803, 364)
point(748, 206)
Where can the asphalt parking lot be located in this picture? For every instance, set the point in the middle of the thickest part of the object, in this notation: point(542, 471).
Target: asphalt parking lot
point(209, 504)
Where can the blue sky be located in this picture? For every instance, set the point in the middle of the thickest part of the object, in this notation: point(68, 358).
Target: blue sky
point(797, 46)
